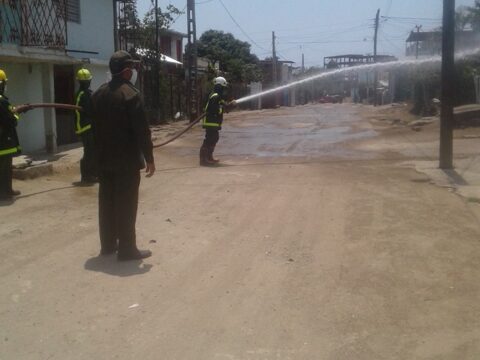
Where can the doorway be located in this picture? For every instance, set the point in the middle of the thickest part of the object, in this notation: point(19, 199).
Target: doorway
point(64, 82)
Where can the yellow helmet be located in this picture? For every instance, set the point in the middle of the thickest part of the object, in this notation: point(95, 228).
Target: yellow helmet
point(3, 76)
point(84, 75)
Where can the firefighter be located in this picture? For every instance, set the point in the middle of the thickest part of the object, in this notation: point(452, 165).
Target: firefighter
point(212, 122)
point(9, 144)
point(83, 127)
point(123, 143)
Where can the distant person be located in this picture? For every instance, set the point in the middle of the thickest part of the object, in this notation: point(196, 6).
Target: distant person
point(123, 143)
point(212, 122)
point(9, 144)
point(83, 128)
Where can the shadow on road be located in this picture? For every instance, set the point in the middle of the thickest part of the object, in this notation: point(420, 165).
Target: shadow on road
point(7, 202)
point(455, 177)
point(110, 265)
point(43, 192)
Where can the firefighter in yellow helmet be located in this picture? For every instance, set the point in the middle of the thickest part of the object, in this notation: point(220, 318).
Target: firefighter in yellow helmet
point(9, 144)
point(83, 128)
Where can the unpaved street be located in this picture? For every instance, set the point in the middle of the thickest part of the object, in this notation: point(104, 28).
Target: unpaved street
point(315, 240)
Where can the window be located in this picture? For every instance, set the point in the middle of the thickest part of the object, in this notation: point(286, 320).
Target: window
point(73, 11)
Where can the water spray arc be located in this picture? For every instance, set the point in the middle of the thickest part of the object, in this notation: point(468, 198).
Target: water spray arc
point(392, 65)
point(325, 75)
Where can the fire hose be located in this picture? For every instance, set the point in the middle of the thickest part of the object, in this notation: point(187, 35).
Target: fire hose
point(27, 107)
point(192, 124)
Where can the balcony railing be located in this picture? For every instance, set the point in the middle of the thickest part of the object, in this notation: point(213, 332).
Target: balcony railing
point(33, 23)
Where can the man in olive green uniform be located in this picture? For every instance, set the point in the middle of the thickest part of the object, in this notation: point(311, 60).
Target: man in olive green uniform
point(123, 145)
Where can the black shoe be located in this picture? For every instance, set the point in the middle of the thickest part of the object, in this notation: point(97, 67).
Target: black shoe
point(138, 255)
point(15, 192)
point(5, 197)
point(105, 252)
point(207, 162)
point(89, 180)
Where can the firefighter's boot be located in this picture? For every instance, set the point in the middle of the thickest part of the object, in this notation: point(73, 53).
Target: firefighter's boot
point(204, 156)
point(211, 149)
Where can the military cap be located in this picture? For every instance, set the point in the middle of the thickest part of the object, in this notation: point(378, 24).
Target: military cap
point(120, 60)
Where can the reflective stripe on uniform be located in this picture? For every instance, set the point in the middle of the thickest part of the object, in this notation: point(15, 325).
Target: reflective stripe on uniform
point(220, 111)
point(205, 123)
point(12, 110)
point(79, 129)
point(9, 151)
point(16, 149)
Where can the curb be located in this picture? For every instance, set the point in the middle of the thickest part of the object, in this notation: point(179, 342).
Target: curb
point(33, 172)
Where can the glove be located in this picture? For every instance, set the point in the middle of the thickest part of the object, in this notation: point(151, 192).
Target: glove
point(230, 105)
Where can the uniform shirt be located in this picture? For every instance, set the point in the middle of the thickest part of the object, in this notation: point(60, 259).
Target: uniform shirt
point(9, 144)
point(120, 127)
point(83, 118)
point(214, 112)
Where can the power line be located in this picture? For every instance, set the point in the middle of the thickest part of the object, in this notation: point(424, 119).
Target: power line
point(327, 34)
point(238, 25)
point(325, 42)
point(410, 18)
point(330, 26)
point(390, 41)
point(389, 7)
point(179, 15)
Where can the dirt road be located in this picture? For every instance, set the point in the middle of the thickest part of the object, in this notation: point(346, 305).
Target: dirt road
point(314, 240)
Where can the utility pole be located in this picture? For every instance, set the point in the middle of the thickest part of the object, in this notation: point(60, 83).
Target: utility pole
point(418, 27)
point(375, 38)
point(115, 25)
point(274, 60)
point(157, 50)
point(192, 100)
point(303, 63)
point(302, 88)
point(274, 67)
point(448, 85)
point(157, 64)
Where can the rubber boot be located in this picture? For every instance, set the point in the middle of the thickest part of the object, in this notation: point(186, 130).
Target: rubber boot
point(211, 149)
point(204, 158)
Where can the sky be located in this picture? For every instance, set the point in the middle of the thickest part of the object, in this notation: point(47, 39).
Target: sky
point(316, 28)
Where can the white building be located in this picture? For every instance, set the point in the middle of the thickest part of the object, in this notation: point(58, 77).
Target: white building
point(41, 51)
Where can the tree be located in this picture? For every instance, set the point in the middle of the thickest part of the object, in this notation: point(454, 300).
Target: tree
point(462, 18)
point(468, 16)
point(474, 15)
point(147, 27)
point(165, 18)
point(232, 55)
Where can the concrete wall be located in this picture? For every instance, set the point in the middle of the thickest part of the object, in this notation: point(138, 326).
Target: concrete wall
point(99, 73)
point(25, 86)
point(31, 80)
point(95, 31)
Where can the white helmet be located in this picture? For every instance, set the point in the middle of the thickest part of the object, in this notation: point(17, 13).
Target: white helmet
point(220, 81)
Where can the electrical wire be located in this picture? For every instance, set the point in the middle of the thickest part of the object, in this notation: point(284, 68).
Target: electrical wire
point(329, 33)
point(390, 41)
point(389, 7)
point(411, 18)
point(241, 29)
